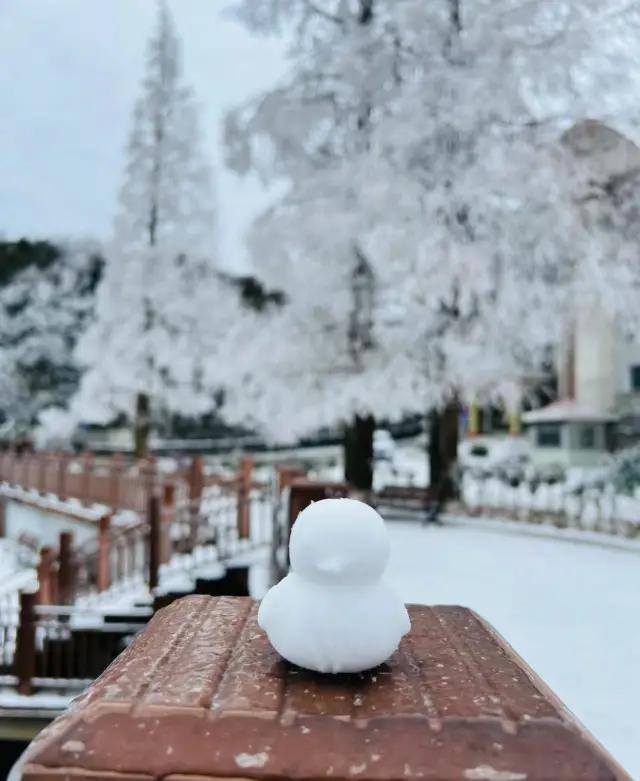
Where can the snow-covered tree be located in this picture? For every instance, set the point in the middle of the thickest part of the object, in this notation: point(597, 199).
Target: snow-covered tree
point(161, 307)
point(420, 143)
point(44, 306)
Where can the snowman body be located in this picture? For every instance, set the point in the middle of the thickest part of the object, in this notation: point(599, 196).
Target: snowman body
point(333, 613)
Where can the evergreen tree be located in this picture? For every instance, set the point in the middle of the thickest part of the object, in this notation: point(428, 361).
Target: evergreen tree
point(159, 308)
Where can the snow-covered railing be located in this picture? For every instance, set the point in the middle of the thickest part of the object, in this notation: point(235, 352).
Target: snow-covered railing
point(560, 505)
point(57, 635)
point(62, 648)
point(84, 480)
point(143, 517)
point(114, 483)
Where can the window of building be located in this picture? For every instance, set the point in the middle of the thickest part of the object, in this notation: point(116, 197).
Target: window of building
point(634, 377)
point(587, 437)
point(549, 435)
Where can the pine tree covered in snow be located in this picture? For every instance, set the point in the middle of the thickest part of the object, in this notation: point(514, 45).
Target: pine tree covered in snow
point(46, 299)
point(161, 308)
point(420, 143)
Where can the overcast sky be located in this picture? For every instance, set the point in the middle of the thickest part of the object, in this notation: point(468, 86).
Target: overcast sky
point(69, 74)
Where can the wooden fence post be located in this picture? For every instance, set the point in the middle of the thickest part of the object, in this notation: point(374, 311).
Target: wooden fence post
point(168, 516)
point(287, 475)
point(87, 474)
point(117, 469)
point(148, 472)
point(66, 572)
point(45, 576)
point(196, 479)
point(155, 530)
point(25, 653)
point(104, 574)
point(28, 459)
point(43, 460)
point(63, 471)
point(244, 498)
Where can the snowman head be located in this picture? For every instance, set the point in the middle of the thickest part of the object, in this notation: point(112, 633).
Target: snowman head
point(340, 542)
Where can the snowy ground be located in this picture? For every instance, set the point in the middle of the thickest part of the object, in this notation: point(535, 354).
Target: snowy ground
point(569, 608)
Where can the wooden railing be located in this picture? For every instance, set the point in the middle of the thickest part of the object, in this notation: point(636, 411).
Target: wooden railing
point(107, 482)
point(60, 648)
point(60, 637)
point(173, 514)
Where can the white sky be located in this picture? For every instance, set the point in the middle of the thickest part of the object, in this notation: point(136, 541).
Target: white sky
point(69, 74)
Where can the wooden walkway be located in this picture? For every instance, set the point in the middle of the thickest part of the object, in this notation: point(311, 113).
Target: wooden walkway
point(145, 524)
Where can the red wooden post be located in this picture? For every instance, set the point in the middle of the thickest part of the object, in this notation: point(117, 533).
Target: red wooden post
point(28, 460)
point(155, 531)
point(287, 475)
point(66, 572)
point(63, 471)
point(117, 471)
point(196, 486)
point(196, 479)
point(25, 654)
point(43, 460)
point(103, 553)
point(87, 474)
point(304, 492)
point(148, 474)
point(168, 515)
point(244, 498)
point(45, 576)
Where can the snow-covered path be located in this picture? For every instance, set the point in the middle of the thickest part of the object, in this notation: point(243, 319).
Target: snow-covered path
point(570, 609)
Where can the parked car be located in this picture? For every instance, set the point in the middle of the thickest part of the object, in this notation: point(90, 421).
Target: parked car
point(384, 445)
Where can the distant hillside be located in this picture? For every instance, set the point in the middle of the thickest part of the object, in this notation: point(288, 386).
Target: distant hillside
point(46, 297)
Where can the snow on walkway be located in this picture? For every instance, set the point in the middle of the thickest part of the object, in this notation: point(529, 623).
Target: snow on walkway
point(569, 609)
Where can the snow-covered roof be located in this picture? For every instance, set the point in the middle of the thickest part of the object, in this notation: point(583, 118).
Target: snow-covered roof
point(566, 410)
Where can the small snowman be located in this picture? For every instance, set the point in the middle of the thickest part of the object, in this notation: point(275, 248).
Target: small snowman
point(333, 613)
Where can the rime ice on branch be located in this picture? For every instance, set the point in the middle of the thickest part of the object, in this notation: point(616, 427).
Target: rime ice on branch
point(422, 139)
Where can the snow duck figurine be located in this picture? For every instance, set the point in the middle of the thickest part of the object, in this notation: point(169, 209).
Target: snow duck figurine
point(333, 613)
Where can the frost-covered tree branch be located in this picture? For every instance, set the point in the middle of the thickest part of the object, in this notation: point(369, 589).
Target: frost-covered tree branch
point(429, 138)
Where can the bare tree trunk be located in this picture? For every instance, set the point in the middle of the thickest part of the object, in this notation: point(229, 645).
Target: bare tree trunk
point(358, 455)
point(443, 452)
point(142, 426)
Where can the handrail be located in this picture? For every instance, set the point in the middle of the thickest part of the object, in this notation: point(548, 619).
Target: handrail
point(93, 610)
point(50, 641)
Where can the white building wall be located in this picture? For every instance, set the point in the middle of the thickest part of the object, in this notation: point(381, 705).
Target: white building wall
point(596, 376)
